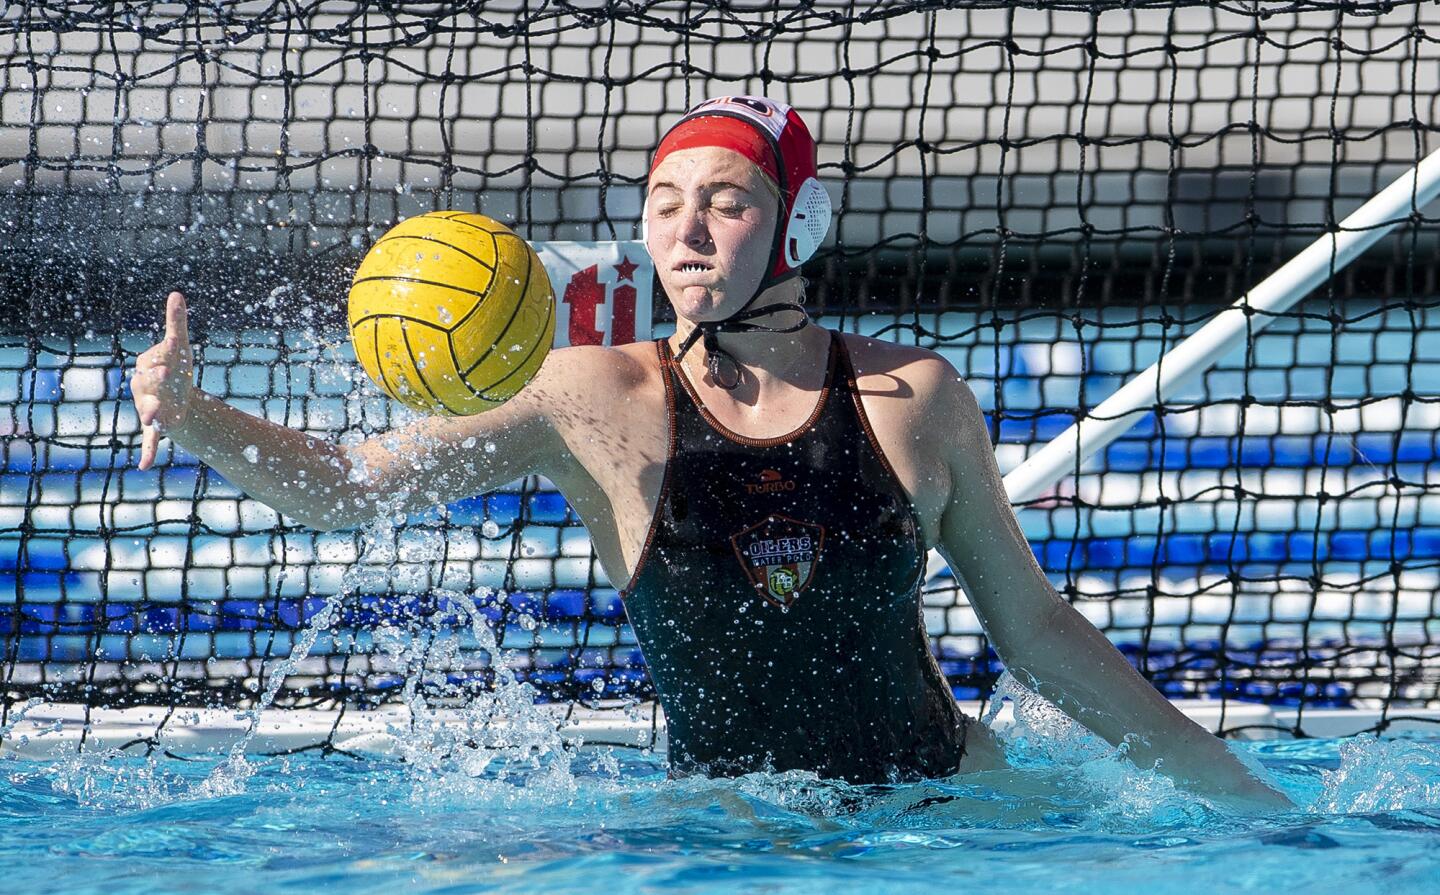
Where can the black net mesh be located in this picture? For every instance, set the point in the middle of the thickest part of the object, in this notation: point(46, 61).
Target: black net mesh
point(1050, 196)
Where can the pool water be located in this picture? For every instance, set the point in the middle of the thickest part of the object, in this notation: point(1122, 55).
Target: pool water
point(1070, 814)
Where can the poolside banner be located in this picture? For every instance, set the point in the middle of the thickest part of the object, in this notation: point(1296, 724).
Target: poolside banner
point(602, 291)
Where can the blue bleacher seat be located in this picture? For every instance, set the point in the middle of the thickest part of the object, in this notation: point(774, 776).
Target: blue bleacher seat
point(607, 604)
point(1424, 543)
point(565, 604)
point(41, 386)
point(548, 506)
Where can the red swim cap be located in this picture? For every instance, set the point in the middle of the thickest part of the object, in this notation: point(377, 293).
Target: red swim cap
point(771, 135)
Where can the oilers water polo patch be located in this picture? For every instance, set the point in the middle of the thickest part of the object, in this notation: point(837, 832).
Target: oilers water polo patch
point(779, 556)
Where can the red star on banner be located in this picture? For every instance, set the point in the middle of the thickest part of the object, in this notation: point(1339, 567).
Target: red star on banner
point(626, 269)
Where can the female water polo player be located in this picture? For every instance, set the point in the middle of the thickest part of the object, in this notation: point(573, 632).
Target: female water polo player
point(767, 499)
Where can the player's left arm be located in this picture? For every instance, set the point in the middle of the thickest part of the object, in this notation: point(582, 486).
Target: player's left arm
point(1044, 642)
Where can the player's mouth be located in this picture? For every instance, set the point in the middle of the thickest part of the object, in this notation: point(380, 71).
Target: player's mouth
point(693, 267)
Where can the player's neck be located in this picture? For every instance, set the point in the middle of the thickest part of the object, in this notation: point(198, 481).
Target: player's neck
point(765, 358)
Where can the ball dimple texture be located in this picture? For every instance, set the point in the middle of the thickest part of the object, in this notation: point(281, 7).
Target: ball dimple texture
point(451, 313)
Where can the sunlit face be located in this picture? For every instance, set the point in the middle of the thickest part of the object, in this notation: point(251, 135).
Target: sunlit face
point(712, 223)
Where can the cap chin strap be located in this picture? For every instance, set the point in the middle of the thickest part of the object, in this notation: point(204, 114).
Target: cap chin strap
point(724, 369)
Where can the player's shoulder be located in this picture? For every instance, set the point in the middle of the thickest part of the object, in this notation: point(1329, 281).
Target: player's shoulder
point(596, 373)
point(924, 373)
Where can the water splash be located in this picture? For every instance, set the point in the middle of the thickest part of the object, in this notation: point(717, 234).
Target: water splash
point(457, 736)
point(1096, 781)
point(499, 728)
point(1381, 775)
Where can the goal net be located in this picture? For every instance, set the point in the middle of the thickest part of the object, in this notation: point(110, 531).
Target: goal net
point(1051, 197)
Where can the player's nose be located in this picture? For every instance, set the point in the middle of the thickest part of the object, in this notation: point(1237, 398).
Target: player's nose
point(692, 231)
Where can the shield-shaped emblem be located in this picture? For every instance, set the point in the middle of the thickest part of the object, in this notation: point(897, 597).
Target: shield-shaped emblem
point(779, 555)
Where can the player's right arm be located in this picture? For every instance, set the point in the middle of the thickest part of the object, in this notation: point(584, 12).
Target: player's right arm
point(325, 485)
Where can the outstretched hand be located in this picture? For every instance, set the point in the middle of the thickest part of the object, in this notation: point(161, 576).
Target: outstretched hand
point(161, 384)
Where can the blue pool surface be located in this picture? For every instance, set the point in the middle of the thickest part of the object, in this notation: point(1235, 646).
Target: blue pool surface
point(1368, 820)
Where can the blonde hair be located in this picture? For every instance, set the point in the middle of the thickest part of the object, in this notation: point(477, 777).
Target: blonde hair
point(771, 186)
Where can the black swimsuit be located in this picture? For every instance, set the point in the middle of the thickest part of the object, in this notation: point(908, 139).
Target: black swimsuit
point(777, 599)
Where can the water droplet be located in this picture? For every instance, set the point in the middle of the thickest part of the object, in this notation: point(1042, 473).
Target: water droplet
point(252, 453)
point(490, 529)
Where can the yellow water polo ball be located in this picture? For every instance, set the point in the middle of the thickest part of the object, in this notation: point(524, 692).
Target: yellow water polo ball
point(451, 313)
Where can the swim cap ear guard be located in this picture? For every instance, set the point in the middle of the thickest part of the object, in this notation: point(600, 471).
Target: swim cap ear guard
point(773, 137)
point(809, 222)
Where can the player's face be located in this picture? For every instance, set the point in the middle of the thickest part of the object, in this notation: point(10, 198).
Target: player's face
point(712, 222)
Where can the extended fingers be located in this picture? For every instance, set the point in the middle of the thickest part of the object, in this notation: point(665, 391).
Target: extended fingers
point(148, 447)
point(177, 326)
point(153, 367)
